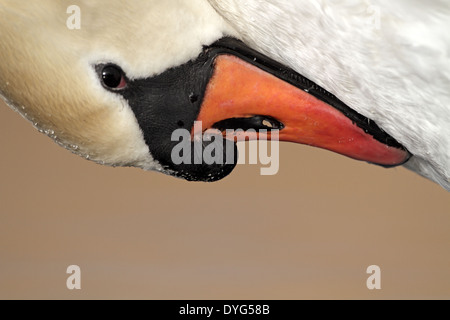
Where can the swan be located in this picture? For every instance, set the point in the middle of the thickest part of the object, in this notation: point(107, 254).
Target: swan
point(367, 79)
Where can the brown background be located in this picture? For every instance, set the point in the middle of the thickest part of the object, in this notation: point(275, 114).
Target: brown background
point(309, 232)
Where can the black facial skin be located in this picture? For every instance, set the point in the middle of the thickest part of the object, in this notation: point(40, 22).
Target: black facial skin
point(173, 99)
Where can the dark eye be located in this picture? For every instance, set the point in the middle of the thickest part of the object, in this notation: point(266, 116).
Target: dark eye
point(113, 77)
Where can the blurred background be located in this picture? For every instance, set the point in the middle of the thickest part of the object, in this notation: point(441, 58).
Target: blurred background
point(309, 232)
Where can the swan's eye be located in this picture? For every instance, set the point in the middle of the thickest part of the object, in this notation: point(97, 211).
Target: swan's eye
point(113, 77)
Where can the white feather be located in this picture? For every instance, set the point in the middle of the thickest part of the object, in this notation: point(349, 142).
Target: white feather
point(389, 60)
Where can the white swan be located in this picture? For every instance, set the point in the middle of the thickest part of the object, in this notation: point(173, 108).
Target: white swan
point(115, 89)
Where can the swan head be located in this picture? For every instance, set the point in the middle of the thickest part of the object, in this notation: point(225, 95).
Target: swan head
point(116, 89)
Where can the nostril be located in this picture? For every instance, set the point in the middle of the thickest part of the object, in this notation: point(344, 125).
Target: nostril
point(272, 124)
point(268, 124)
point(255, 122)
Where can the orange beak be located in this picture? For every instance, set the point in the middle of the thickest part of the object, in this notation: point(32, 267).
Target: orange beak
point(241, 90)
